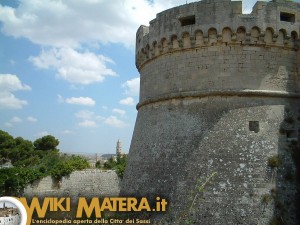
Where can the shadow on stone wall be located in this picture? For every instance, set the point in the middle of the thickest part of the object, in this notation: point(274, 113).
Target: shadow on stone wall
point(286, 165)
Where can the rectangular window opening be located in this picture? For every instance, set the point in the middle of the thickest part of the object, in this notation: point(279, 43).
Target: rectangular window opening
point(287, 17)
point(254, 126)
point(188, 20)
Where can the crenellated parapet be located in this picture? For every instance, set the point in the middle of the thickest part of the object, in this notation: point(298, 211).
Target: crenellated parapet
point(219, 23)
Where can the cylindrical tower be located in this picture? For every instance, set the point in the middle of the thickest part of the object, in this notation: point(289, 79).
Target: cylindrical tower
point(219, 102)
point(119, 148)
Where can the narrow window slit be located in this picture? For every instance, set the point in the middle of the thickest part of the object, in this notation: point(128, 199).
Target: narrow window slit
point(287, 17)
point(188, 20)
point(254, 126)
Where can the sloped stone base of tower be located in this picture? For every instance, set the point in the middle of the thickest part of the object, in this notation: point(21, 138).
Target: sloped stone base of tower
point(218, 160)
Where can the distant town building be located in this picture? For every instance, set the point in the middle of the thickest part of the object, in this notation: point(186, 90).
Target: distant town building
point(106, 157)
point(9, 216)
point(119, 148)
point(6, 165)
point(93, 158)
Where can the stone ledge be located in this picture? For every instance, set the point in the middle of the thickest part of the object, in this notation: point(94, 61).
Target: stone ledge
point(202, 94)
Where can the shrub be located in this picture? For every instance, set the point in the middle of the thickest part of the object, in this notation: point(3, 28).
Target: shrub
point(274, 161)
point(118, 165)
point(266, 198)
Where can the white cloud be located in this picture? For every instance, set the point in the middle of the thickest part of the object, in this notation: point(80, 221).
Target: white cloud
point(31, 119)
point(12, 62)
point(88, 115)
point(81, 101)
point(70, 23)
point(13, 120)
point(60, 99)
point(73, 66)
point(9, 101)
point(10, 83)
point(8, 124)
point(114, 122)
point(84, 114)
point(87, 123)
point(67, 132)
point(89, 118)
point(127, 101)
point(119, 111)
point(132, 87)
point(42, 134)
point(16, 119)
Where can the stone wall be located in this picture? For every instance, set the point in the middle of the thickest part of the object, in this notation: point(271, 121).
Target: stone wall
point(88, 183)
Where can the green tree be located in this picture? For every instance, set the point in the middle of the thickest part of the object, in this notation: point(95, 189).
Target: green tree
point(33, 161)
point(110, 163)
point(23, 144)
point(68, 165)
point(46, 143)
point(98, 164)
point(14, 180)
point(121, 165)
point(118, 165)
point(7, 142)
point(22, 150)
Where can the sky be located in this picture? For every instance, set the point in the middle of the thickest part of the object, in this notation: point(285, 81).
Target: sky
point(67, 68)
point(7, 204)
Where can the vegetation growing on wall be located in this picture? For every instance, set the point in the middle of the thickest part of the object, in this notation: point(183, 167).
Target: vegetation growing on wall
point(274, 161)
point(117, 164)
point(32, 161)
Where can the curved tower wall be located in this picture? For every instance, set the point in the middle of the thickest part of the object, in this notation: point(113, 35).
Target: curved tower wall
point(219, 93)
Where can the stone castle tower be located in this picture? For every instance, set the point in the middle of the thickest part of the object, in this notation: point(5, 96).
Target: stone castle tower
point(219, 108)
